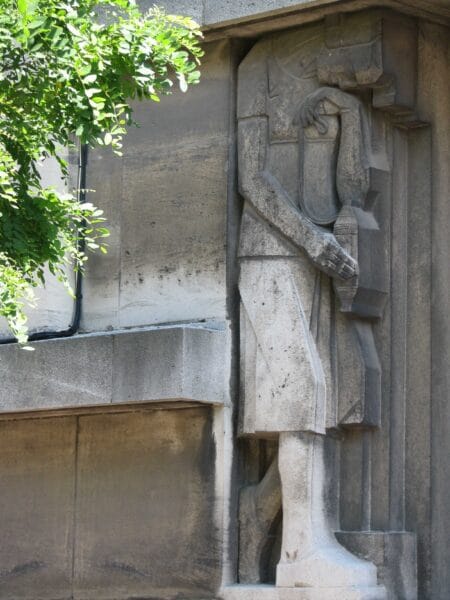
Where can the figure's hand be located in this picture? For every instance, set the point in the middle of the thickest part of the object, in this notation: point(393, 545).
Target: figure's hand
point(325, 101)
point(331, 258)
point(311, 111)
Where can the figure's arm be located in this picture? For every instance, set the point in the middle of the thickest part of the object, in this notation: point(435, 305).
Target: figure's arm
point(271, 201)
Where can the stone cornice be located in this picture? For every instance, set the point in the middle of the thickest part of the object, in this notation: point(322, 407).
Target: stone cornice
point(181, 363)
point(236, 21)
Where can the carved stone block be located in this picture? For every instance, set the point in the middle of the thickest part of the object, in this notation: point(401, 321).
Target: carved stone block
point(270, 592)
point(358, 395)
point(394, 553)
point(374, 50)
point(308, 156)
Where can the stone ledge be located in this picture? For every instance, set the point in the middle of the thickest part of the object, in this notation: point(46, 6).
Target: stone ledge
point(243, 19)
point(246, 19)
point(160, 364)
point(271, 592)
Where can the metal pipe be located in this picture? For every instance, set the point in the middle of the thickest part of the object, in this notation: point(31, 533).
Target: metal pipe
point(76, 317)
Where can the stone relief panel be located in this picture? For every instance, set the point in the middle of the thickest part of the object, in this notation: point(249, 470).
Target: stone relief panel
point(313, 279)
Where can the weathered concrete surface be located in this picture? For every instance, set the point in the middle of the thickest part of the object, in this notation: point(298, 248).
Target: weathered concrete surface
point(189, 363)
point(192, 8)
point(268, 592)
point(227, 10)
point(114, 506)
point(145, 507)
point(401, 481)
point(165, 363)
point(101, 279)
point(67, 372)
point(217, 13)
point(393, 553)
point(37, 460)
point(166, 199)
point(434, 102)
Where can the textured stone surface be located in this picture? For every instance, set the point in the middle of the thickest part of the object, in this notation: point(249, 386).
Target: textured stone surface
point(434, 99)
point(58, 373)
point(166, 199)
point(394, 553)
point(145, 507)
point(37, 480)
point(213, 13)
point(216, 11)
point(101, 506)
point(192, 8)
point(278, 371)
point(173, 363)
point(102, 275)
point(263, 592)
point(167, 363)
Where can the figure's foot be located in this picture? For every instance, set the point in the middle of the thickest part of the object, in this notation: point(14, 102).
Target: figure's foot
point(328, 566)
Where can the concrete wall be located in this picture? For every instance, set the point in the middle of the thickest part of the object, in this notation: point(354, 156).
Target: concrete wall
point(103, 506)
point(166, 205)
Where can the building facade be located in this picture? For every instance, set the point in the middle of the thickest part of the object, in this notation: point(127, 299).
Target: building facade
point(255, 404)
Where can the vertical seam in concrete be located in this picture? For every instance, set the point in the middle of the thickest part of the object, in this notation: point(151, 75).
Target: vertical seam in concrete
point(438, 54)
point(75, 503)
point(425, 104)
point(366, 478)
point(230, 557)
point(418, 409)
point(183, 391)
point(399, 300)
point(113, 365)
point(232, 210)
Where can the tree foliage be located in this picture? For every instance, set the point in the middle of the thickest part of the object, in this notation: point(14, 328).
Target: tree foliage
point(69, 69)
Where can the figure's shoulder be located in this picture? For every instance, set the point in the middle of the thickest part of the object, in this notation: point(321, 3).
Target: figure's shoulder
point(276, 74)
point(252, 77)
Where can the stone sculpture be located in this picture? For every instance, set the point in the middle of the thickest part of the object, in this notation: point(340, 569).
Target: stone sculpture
point(304, 166)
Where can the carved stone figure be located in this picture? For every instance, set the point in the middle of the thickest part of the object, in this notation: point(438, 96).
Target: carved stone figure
point(303, 166)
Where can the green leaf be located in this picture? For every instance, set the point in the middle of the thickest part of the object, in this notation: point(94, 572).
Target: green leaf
point(53, 54)
point(90, 78)
point(22, 5)
point(91, 91)
point(73, 30)
point(36, 23)
point(183, 83)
